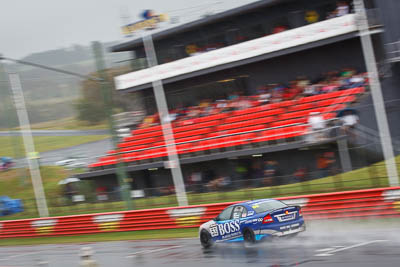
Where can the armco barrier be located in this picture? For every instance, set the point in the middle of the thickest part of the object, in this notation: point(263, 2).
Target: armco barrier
point(382, 202)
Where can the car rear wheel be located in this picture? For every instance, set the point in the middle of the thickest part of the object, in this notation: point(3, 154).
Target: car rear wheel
point(249, 237)
point(205, 239)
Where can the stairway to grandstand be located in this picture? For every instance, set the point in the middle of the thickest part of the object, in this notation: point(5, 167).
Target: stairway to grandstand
point(254, 126)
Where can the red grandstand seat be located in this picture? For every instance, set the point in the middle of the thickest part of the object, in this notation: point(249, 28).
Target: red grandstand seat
point(245, 129)
point(303, 106)
point(192, 133)
point(211, 118)
point(128, 157)
point(189, 138)
point(183, 148)
point(288, 122)
point(147, 130)
point(148, 135)
point(137, 142)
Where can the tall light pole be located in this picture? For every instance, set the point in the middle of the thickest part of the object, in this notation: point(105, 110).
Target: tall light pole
point(376, 92)
point(27, 138)
point(121, 171)
point(107, 98)
point(161, 102)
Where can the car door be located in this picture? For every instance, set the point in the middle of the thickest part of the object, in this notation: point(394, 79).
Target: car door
point(227, 227)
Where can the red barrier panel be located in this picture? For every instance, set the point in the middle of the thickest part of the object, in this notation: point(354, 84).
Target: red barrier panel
point(383, 202)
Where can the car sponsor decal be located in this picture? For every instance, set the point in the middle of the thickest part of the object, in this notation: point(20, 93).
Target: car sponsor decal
point(287, 216)
point(109, 222)
point(187, 216)
point(44, 226)
point(225, 230)
point(296, 201)
point(250, 213)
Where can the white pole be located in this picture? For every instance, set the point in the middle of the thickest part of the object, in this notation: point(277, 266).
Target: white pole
point(174, 163)
point(23, 118)
point(376, 92)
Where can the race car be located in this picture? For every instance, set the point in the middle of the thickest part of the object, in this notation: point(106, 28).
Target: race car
point(252, 221)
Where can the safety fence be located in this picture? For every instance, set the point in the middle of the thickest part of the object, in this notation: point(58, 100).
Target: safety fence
point(85, 199)
point(379, 202)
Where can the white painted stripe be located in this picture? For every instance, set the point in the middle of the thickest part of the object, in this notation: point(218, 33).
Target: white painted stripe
point(324, 249)
point(149, 251)
point(18, 255)
point(350, 247)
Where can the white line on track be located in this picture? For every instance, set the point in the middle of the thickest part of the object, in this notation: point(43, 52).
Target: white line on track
point(331, 252)
point(148, 251)
point(18, 255)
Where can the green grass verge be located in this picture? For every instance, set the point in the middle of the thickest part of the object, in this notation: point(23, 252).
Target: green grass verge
point(44, 143)
point(69, 123)
point(116, 236)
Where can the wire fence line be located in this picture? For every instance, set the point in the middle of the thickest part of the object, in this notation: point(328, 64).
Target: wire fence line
point(79, 202)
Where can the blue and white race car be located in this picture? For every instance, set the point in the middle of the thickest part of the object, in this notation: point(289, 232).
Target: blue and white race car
point(252, 221)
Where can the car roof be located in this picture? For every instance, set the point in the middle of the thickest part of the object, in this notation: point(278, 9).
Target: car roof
point(253, 202)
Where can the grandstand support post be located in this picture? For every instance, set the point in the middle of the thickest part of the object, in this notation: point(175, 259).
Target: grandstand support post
point(376, 92)
point(122, 175)
point(345, 160)
point(161, 102)
point(25, 127)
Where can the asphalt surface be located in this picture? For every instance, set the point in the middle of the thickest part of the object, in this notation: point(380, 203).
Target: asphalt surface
point(57, 132)
point(88, 150)
point(323, 244)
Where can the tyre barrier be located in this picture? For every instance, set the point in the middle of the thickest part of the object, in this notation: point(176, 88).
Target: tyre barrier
point(379, 202)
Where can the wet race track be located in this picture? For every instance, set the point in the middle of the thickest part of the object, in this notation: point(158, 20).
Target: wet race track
point(340, 243)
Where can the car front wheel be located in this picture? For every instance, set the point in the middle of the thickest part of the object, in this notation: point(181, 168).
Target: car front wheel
point(205, 239)
point(249, 237)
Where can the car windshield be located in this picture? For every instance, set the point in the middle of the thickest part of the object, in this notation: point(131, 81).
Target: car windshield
point(268, 205)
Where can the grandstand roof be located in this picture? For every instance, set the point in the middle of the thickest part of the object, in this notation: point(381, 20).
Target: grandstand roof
point(251, 60)
point(129, 46)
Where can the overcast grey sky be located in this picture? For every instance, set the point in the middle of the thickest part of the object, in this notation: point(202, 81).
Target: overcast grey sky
point(28, 26)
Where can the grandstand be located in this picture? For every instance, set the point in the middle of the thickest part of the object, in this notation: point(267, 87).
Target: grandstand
point(221, 76)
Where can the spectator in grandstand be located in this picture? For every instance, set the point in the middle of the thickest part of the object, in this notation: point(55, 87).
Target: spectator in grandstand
point(170, 117)
point(219, 183)
point(270, 172)
point(357, 81)
point(317, 125)
point(300, 174)
point(264, 95)
point(312, 89)
point(101, 193)
point(272, 93)
point(349, 118)
point(234, 96)
point(196, 180)
point(342, 8)
point(322, 166)
point(242, 103)
point(257, 173)
point(279, 28)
